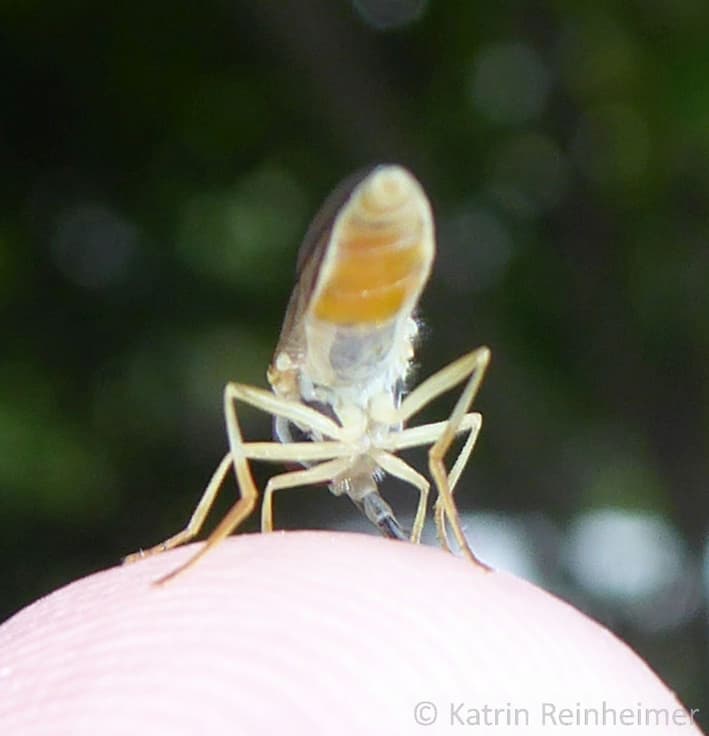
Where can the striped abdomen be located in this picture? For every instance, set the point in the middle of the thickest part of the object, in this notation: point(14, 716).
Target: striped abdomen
point(379, 255)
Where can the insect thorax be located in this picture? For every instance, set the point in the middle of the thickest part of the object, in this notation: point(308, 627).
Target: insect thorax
point(345, 370)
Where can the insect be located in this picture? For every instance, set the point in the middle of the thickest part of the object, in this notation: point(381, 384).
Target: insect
point(338, 372)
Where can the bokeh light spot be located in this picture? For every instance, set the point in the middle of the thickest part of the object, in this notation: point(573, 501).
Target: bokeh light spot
point(92, 245)
point(623, 555)
point(510, 83)
point(612, 146)
point(599, 57)
point(241, 236)
point(388, 14)
point(529, 175)
point(477, 249)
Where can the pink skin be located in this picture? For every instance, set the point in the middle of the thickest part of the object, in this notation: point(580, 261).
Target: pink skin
point(316, 633)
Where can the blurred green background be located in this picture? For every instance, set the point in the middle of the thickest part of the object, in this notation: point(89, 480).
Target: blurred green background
point(159, 165)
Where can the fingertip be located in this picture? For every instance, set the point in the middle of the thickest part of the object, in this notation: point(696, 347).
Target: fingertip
point(322, 631)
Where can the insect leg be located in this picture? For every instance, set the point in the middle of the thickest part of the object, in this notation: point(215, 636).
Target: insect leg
point(398, 468)
point(196, 520)
point(436, 456)
point(471, 367)
point(317, 474)
point(239, 454)
point(427, 434)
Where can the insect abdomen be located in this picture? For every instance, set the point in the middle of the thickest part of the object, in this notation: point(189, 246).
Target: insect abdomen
point(380, 252)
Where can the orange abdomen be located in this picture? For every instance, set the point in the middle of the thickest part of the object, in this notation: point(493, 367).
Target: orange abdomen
point(380, 252)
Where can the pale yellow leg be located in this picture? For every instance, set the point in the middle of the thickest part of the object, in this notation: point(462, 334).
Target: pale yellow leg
point(471, 367)
point(477, 362)
point(318, 474)
point(454, 476)
point(335, 450)
point(196, 520)
point(274, 451)
point(427, 434)
point(400, 469)
point(247, 488)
